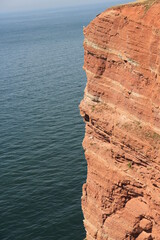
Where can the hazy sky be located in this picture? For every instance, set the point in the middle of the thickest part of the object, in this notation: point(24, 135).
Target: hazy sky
point(11, 5)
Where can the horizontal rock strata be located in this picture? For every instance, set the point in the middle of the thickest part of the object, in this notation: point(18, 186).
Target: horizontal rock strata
point(121, 109)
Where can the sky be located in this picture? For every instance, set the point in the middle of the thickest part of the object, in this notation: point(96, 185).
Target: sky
point(16, 5)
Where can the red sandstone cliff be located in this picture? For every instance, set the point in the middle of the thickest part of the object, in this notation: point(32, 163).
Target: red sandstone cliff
point(121, 108)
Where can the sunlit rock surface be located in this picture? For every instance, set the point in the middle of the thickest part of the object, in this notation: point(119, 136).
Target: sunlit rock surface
point(121, 109)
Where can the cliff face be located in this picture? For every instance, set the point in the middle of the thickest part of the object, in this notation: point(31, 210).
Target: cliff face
point(121, 109)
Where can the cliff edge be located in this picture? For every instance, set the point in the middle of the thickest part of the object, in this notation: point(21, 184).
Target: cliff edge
point(121, 109)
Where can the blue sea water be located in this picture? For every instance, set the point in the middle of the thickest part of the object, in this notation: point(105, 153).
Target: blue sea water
point(42, 165)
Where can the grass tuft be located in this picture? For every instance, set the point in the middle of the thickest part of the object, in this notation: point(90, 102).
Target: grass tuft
point(130, 165)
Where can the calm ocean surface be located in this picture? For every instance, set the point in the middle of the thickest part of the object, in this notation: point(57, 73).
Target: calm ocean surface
point(42, 165)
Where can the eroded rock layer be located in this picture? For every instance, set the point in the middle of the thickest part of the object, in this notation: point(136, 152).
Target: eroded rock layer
point(121, 108)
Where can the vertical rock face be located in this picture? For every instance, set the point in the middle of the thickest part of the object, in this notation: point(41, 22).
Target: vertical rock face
point(121, 108)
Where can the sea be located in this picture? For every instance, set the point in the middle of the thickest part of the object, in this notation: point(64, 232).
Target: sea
point(42, 164)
